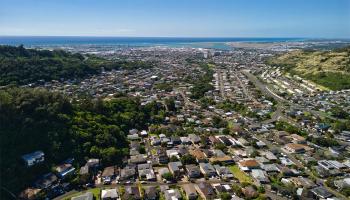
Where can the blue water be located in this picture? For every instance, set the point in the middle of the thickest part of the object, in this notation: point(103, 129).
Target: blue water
point(216, 43)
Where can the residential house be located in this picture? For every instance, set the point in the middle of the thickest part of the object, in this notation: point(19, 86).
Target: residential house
point(138, 159)
point(286, 161)
point(321, 193)
point(172, 194)
point(64, 170)
point(162, 156)
point(128, 173)
point(199, 155)
point(331, 164)
point(193, 171)
point(134, 152)
point(260, 176)
point(248, 164)
point(133, 137)
point(221, 158)
point(151, 193)
point(33, 158)
point(109, 174)
point(46, 181)
point(93, 164)
point(286, 171)
point(221, 188)
point(195, 139)
point(270, 156)
point(297, 139)
point(165, 140)
point(109, 194)
point(133, 131)
point(205, 190)
point(224, 140)
point(175, 168)
point(190, 191)
point(146, 172)
point(295, 148)
point(224, 172)
point(183, 150)
point(335, 151)
point(242, 142)
point(260, 144)
point(213, 140)
point(281, 137)
point(207, 169)
point(185, 140)
point(302, 182)
point(218, 153)
point(155, 141)
point(29, 193)
point(262, 160)
point(270, 168)
point(342, 183)
point(218, 188)
point(132, 192)
point(143, 133)
point(135, 145)
point(175, 140)
point(250, 192)
point(208, 153)
point(241, 153)
point(172, 152)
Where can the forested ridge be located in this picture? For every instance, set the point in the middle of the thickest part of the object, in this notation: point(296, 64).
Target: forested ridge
point(20, 66)
point(36, 119)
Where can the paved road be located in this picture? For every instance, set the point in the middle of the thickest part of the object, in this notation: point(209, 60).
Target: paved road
point(146, 184)
point(263, 88)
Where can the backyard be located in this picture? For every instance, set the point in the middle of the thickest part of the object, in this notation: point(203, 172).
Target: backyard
point(240, 175)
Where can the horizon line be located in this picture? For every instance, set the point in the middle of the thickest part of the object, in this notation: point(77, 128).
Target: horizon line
point(175, 37)
point(223, 37)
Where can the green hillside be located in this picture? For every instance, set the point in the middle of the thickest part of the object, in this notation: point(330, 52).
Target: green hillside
point(36, 119)
point(20, 66)
point(328, 68)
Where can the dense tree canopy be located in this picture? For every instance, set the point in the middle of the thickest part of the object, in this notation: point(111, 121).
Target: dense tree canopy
point(35, 119)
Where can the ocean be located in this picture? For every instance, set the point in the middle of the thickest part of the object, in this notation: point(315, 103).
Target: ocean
point(215, 43)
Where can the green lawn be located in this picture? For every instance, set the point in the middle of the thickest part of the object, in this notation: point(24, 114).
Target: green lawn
point(153, 151)
point(240, 175)
point(95, 191)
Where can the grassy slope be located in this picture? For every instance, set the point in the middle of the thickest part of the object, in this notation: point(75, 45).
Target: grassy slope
point(328, 68)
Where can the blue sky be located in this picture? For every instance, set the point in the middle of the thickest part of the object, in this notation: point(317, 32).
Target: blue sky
point(177, 18)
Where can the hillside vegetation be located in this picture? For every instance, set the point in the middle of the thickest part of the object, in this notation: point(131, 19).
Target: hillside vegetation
point(21, 66)
point(328, 68)
point(36, 119)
